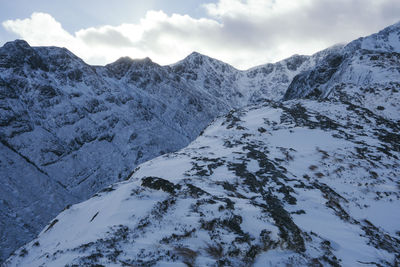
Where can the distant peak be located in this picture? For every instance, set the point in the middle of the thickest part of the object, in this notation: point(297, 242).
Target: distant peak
point(386, 40)
point(17, 44)
point(196, 58)
point(396, 25)
point(392, 28)
point(123, 60)
point(145, 60)
point(124, 64)
point(144, 63)
point(130, 61)
point(195, 54)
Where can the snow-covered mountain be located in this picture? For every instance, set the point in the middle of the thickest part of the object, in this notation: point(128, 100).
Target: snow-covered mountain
point(364, 72)
point(68, 129)
point(274, 183)
point(302, 182)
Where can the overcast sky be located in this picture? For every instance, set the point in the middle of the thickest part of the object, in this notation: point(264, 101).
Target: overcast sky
point(243, 33)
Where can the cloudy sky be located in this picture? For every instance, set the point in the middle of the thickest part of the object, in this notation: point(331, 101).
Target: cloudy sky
point(243, 33)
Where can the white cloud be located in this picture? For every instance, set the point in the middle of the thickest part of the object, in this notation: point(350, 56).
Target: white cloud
point(243, 33)
point(39, 28)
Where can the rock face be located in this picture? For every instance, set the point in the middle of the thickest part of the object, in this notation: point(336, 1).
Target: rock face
point(261, 184)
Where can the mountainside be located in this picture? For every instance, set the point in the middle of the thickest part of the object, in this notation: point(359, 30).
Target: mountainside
point(261, 185)
point(361, 72)
point(303, 183)
point(78, 128)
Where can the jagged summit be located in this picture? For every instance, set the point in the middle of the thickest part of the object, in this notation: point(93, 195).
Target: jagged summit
point(122, 60)
point(130, 61)
point(144, 62)
point(196, 59)
point(18, 43)
point(196, 55)
point(124, 65)
point(23, 46)
point(17, 53)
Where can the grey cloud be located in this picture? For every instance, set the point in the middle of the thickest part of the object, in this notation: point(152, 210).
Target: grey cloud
point(241, 38)
point(109, 37)
point(328, 20)
point(257, 39)
point(195, 33)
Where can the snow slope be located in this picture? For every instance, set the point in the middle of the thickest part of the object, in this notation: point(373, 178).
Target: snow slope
point(300, 183)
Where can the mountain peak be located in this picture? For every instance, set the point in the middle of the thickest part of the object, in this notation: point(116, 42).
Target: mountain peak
point(17, 53)
point(394, 26)
point(124, 64)
point(196, 54)
point(122, 60)
point(127, 61)
point(17, 45)
point(143, 61)
point(197, 58)
point(386, 40)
